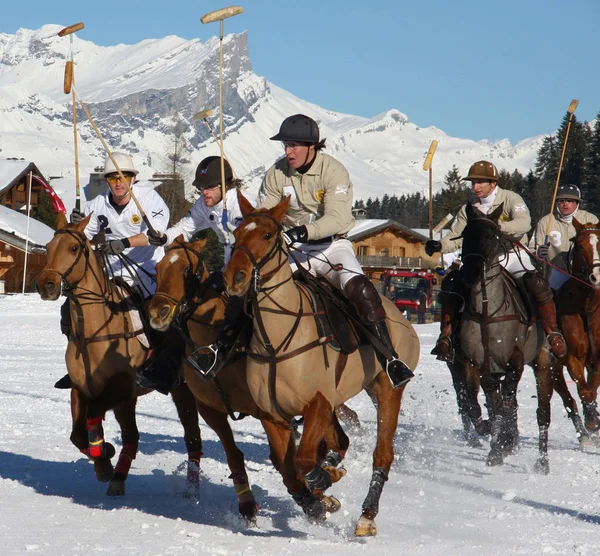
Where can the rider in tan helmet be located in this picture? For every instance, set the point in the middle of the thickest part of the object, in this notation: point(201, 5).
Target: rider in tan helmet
point(514, 223)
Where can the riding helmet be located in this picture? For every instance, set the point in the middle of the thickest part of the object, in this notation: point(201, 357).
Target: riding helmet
point(569, 191)
point(298, 128)
point(208, 172)
point(482, 170)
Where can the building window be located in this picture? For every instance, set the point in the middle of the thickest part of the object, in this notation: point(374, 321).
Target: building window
point(362, 251)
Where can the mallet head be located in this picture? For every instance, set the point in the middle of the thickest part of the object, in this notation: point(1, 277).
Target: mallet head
point(71, 29)
point(203, 115)
point(221, 14)
point(572, 106)
point(430, 154)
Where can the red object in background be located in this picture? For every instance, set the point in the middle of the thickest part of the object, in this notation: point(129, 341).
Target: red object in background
point(59, 206)
point(407, 286)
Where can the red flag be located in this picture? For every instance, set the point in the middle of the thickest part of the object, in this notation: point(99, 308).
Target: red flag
point(59, 206)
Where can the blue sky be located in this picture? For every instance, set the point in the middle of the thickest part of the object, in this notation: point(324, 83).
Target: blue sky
point(477, 69)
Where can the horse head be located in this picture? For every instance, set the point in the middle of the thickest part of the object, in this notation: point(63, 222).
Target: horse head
point(586, 252)
point(258, 240)
point(179, 278)
point(68, 258)
point(481, 243)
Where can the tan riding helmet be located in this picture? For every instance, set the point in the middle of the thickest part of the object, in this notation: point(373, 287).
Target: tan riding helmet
point(482, 170)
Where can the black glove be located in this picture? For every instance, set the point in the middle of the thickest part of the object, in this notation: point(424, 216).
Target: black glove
point(114, 246)
point(156, 238)
point(76, 216)
point(297, 234)
point(433, 246)
point(542, 252)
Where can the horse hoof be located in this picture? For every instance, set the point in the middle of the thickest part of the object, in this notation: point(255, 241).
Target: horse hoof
point(365, 527)
point(331, 504)
point(586, 443)
point(248, 511)
point(494, 459)
point(542, 466)
point(109, 450)
point(483, 428)
point(116, 488)
point(104, 470)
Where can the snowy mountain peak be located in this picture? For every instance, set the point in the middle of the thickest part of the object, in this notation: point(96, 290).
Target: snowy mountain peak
point(136, 93)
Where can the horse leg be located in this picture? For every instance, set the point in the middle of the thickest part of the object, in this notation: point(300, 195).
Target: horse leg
point(543, 369)
point(473, 382)
point(457, 372)
point(560, 385)
point(509, 437)
point(79, 436)
point(388, 402)
point(349, 417)
point(491, 387)
point(336, 442)
point(218, 422)
point(130, 436)
point(576, 369)
point(590, 411)
point(185, 403)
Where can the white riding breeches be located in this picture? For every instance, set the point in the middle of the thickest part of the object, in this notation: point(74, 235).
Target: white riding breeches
point(516, 263)
point(320, 258)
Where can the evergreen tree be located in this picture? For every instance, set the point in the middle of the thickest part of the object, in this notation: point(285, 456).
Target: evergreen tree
point(591, 188)
point(213, 253)
point(452, 197)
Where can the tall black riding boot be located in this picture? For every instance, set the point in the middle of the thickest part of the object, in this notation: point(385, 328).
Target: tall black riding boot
point(65, 383)
point(160, 371)
point(365, 299)
point(209, 360)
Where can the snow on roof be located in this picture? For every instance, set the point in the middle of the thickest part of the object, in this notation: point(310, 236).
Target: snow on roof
point(15, 223)
point(10, 169)
point(372, 225)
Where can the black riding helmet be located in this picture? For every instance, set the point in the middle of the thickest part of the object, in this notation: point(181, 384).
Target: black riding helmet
point(298, 128)
point(208, 173)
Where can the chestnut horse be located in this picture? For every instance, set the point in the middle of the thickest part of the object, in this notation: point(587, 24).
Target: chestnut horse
point(185, 299)
point(102, 356)
point(288, 361)
point(578, 307)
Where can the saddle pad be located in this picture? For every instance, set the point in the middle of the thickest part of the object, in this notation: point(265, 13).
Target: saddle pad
point(134, 314)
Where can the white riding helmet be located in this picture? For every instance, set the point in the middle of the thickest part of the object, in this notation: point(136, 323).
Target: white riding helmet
point(124, 161)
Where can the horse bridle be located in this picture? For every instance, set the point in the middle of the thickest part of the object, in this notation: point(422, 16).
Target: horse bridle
point(586, 270)
point(83, 250)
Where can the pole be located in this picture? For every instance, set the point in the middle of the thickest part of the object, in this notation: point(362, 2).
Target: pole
point(570, 110)
point(69, 81)
point(220, 16)
point(110, 155)
point(204, 115)
point(427, 167)
point(30, 179)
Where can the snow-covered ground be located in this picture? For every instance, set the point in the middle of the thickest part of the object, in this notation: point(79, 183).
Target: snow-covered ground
point(441, 499)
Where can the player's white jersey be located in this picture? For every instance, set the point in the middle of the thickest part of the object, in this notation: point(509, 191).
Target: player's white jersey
point(202, 217)
point(127, 224)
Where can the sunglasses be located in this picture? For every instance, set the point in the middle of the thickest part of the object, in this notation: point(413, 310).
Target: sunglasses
point(207, 187)
point(292, 145)
point(115, 178)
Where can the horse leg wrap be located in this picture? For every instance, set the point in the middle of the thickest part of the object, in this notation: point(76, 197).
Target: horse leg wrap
point(95, 437)
point(318, 479)
point(332, 459)
point(309, 503)
point(370, 507)
point(126, 456)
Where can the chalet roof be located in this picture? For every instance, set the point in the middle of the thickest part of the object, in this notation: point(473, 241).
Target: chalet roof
point(368, 227)
point(13, 230)
point(12, 170)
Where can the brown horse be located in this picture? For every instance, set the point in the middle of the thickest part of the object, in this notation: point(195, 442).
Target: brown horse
point(184, 299)
point(578, 307)
point(288, 366)
point(102, 356)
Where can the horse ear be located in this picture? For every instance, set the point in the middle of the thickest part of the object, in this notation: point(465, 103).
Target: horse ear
point(179, 239)
point(497, 213)
point(199, 244)
point(61, 221)
point(470, 211)
point(245, 205)
point(577, 225)
point(279, 212)
point(81, 226)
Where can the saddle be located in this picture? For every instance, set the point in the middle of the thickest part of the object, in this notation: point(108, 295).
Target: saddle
point(523, 300)
point(334, 316)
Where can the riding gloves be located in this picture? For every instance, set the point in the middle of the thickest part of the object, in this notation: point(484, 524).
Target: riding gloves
point(297, 234)
point(76, 216)
point(115, 246)
point(542, 252)
point(156, 238)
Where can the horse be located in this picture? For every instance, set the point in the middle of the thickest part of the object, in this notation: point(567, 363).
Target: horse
point(103, 353)
point(497, 340)
point(184, 299)
point(288, 368)
point(578, 308)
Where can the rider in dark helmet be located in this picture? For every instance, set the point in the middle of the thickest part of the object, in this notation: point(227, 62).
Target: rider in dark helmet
point(318, 221)
point(207, 212)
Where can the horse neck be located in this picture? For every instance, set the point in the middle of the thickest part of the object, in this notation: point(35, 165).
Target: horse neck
point(493, 284)
point(279, 289)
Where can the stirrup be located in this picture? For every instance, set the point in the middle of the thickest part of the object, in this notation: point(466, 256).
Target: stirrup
point(398, 372)
point(206, 370)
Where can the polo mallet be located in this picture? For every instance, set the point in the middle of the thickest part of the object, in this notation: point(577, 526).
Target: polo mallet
point(220, 16)
point(110, 155)
point(427, 167)
point(204, 115)
point(69, 81)
point(570, 110)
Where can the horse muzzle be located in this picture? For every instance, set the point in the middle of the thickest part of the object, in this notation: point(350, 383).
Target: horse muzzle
point(161, 317)
point(49, 288)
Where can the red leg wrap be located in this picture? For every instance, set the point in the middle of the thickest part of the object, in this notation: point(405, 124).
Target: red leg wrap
point(95, 437)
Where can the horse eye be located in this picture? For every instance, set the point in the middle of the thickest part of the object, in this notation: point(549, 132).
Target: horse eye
point(268, 235)
point(74, 248)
